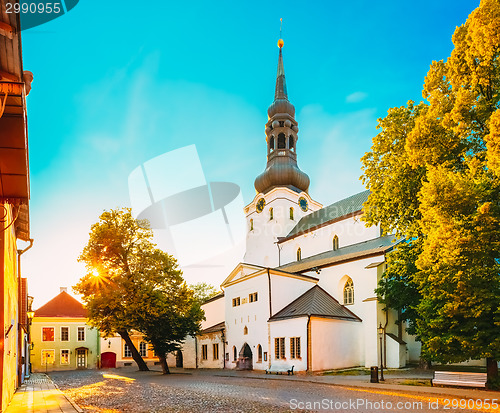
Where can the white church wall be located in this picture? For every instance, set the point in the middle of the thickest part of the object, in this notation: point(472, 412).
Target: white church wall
point(214, 312)
point(333, 280)
point(252, 315)
point(395, 354)
point(335, 344)
point(350, 230)
point(286, 289)
point(294, 327)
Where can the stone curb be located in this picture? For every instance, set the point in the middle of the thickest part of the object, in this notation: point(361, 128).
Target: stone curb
point(68, 398)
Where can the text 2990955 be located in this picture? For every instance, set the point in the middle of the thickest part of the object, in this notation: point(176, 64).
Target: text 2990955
point(33, 8)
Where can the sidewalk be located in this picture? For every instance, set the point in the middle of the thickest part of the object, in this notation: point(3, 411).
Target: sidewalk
point(40, 394)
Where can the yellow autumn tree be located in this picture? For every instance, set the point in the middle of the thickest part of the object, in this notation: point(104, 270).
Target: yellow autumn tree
point(454, 145)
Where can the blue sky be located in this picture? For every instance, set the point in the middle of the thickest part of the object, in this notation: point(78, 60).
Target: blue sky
point(118, 83)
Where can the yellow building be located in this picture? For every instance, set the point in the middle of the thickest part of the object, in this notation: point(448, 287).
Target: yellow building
point(14, 196)
point(61, 337)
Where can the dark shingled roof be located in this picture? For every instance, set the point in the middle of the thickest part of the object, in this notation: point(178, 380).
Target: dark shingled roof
point(215, 297)
point(62, 305)
point(213, 329)
point(329, 213)
point(374, 246)
point(315, 302)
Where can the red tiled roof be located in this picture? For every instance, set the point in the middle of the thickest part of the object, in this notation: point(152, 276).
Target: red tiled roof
point(62, 305)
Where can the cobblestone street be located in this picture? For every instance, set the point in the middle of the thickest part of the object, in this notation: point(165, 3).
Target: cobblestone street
point(122, 390)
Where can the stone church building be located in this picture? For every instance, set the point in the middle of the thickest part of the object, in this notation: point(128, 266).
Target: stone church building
point(304, 296)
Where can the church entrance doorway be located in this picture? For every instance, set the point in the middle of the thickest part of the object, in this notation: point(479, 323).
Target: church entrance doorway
point(245, 358)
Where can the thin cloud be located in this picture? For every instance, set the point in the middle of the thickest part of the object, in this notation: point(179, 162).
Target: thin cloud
point(356, 97)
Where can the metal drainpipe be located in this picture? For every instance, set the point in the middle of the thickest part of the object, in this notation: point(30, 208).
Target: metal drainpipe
point(223, 349)
point(19, 309)
point(196, 350)
point(270, 305)
point(309, 340)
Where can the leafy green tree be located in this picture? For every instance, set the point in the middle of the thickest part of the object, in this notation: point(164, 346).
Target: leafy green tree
point(114, 253)
point(170, 310)
point(393, 182)
point(397, 288)
point(204, 291)
point(130, 284)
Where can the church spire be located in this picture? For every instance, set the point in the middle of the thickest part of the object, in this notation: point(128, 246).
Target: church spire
point(280, 91)
point(281, 135)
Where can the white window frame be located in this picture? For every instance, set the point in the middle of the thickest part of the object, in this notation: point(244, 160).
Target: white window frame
point(78, 333)
point(145, 352)
point(60, 334)
point(125, 347)
point(295, 348)
point(61, 358)
point(48, 350)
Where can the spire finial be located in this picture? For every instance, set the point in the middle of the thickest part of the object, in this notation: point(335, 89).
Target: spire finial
point(280, 41)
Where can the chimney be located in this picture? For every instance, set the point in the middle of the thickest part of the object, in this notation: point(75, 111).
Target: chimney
point(63, 289)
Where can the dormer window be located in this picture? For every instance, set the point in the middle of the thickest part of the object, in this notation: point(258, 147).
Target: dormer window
point(271, 214)
point(251, 225)
point(291, 213)
point(299, 254)
point(335, 243)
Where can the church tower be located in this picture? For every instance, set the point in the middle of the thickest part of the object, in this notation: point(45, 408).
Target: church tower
point(282, 189)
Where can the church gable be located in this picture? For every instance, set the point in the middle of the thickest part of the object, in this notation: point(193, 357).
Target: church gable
point(242, 270)
point(315, 302)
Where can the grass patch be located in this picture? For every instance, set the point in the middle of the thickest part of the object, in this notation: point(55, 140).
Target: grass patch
point(347, 372)
point(426, 383)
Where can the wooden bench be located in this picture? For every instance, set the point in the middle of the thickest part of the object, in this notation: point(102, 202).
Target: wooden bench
point(453, 378)
point(280, 369)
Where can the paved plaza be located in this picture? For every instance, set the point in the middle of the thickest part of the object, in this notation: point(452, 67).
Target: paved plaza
point(128, 390)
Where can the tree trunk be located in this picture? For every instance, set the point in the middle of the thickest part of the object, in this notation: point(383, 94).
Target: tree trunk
point(135, 354)
point(164, 365)
point(492, 372)
point(425, 364)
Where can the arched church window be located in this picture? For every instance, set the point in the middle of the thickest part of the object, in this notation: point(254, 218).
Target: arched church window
point(291, 142)
point(299, 254)
point(245, 330)
point(235, 354)
point(281, 141)
point(271, 143)
point(335, 243)
point(271, 213)
point(251, 225)
point(349, 292)
point(259, 354)
point(291, 213)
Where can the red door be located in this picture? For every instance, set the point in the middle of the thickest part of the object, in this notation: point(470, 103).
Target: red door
point(108, 360)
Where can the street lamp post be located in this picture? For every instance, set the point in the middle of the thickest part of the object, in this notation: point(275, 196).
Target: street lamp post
point(381, 334)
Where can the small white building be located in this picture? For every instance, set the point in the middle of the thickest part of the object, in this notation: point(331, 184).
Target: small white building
point(305, 294)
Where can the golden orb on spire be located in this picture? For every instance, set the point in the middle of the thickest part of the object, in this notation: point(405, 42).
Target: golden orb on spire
point(280, 43)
